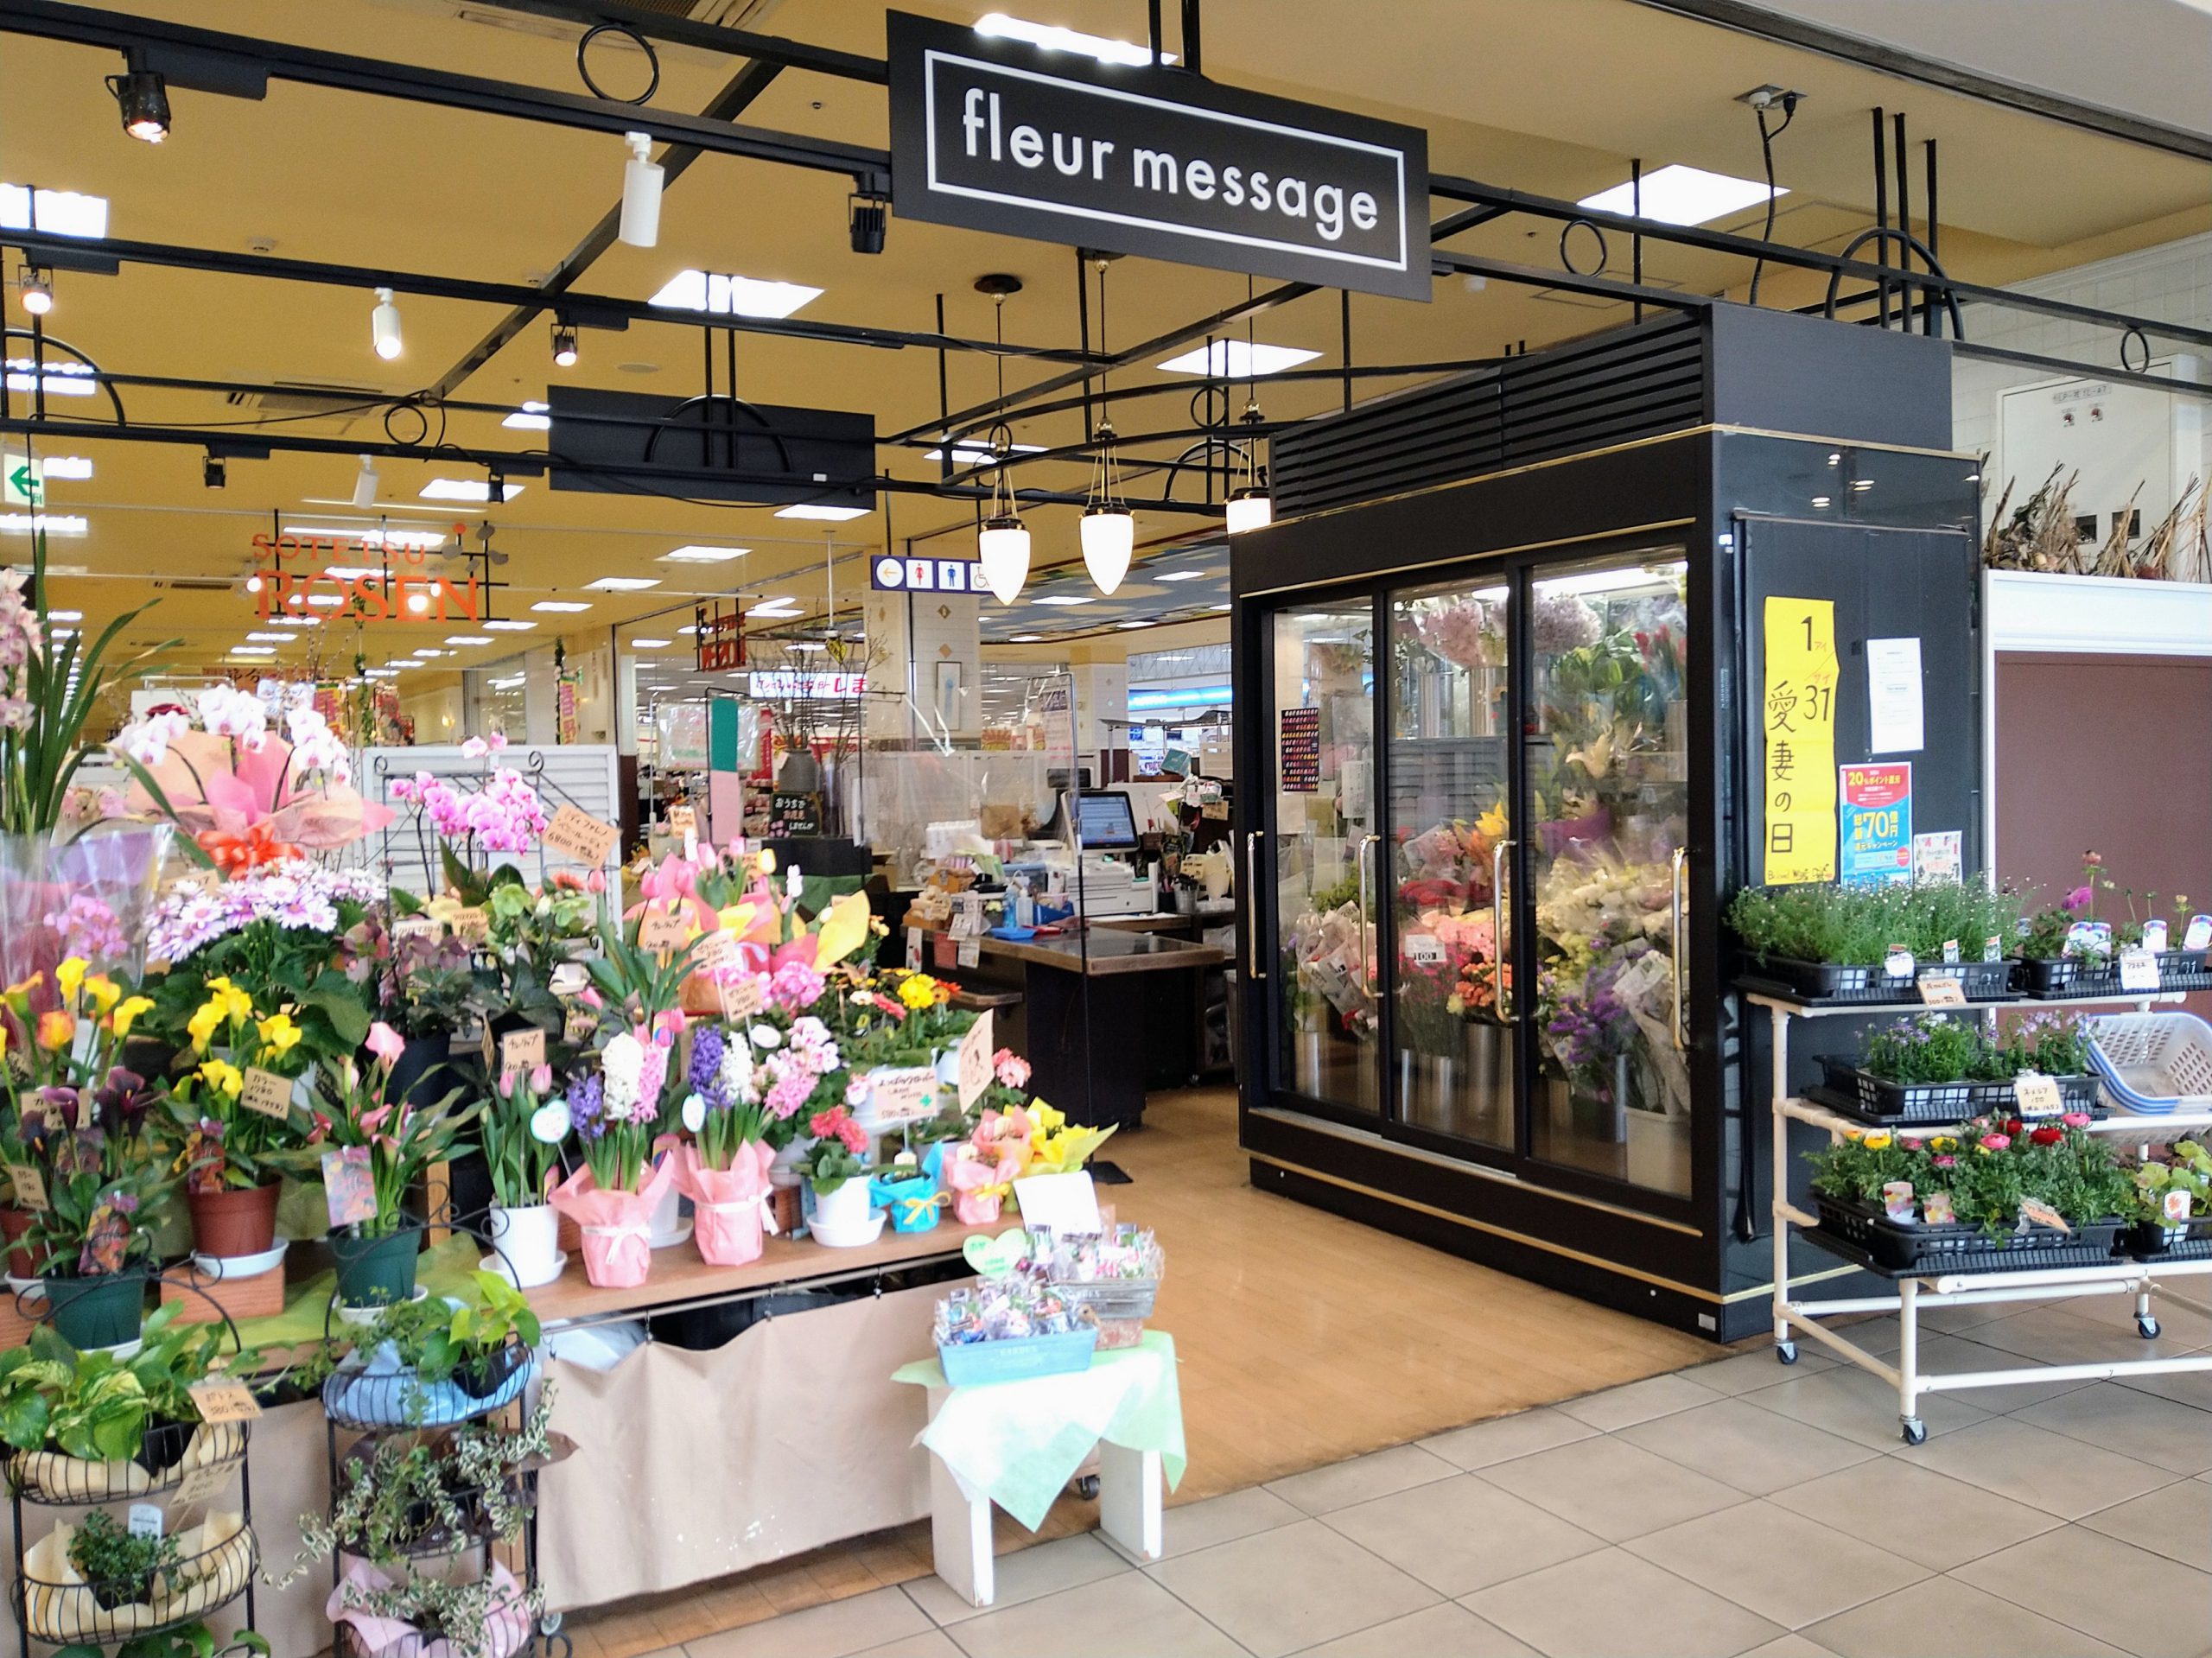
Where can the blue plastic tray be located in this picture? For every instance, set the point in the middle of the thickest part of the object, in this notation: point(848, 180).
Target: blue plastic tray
point(1020, 1358)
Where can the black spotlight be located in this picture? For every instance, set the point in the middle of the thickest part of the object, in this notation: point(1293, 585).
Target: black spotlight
point(143, 95)
point(214, 470)
point(868, 222)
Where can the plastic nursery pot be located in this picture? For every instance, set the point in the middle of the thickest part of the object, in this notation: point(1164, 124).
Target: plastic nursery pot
point(482, 1380)
point(22, 1259)
point(378, 1271)
point(236, 1221)
point(105, 1310)
point(530, 1239)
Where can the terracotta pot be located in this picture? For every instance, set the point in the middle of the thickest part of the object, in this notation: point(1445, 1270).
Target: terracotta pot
point(235, 1222)
point(14, 1223)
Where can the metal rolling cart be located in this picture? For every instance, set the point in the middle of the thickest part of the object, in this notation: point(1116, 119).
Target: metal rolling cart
point(1918, 1291)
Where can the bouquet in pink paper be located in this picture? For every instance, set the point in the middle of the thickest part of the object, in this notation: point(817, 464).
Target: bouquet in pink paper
point(724, 1168)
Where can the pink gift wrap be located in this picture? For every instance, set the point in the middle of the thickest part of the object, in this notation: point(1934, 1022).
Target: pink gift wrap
point(978, 1188)
point(730, 1206)
point(617, 1226)
point(504, 1632)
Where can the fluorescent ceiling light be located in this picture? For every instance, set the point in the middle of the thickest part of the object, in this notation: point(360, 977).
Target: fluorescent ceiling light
point(695, 555)
point(998, 25)
point(398, 663)
point(511, 683)
point(65, 615)
point(424, 541)
point(1682, 195)
point(22, 524)
point(325, 600)
point(466, 489)
point(64, 212)
point(292, 621)
point(561, 607)
point(466, 638)
point(268, 639)
point(1182, 575)
point(60, 378)
point(1066, 598)
point(430, 650)
point(509, 626)
point(826, 514)
point(1235, 360)
point(382, 507)
point(532, 416)
point(252, 650)
point(622, 584)
point(66, 466)
point(784, 606)
point(1026, 639)
point(720, 295)
point(980, 454)
point(379, 673)
point(649, 644)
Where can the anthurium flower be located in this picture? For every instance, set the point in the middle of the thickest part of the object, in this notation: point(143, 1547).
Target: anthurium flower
point(126, 1015)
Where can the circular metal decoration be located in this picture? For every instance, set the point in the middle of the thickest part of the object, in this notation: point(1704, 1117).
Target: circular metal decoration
point(1567, 260)
point(652, 61)
point(2141, 338)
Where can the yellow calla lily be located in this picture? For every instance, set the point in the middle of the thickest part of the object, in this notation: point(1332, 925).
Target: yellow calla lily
point(844, 930)
point(104, 991)
point(279, 1035)
point(205, 1020)
point(69, 975)
point(126, 1014)
point(222, 1077)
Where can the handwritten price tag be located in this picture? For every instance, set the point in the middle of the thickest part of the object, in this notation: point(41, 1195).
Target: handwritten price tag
point(2043, 1215)
point(975, 1061)
point(205, 1482)
point(521, 1050)
point(30, 1187)
point(575, 833)
point(660, 931)
point(2139, 970)
point(969, 953)
point(2036, 1096)
point(225, 1399)
point(1942, 990)
point(683, 820)
point(902, 1093)
point(415, 926)
point(266, 1092)
point(473, 925)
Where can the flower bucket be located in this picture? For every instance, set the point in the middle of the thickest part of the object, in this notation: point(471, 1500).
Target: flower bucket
point(236, 1221)
point(615, 1227)
point(21, 1259)
point(376, 1271)
point(529, 1239)
point(842, 1215)
point(104, 1309)
point(731, 1208)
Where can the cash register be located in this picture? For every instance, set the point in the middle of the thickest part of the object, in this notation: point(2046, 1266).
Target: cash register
point(1115, 878)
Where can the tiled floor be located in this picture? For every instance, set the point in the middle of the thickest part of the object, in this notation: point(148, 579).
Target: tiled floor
point(1738, 1506)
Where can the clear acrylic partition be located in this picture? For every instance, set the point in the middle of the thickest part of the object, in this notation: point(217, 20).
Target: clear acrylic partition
point(1449, 817)
point(1608, 779)
point(1322, 829)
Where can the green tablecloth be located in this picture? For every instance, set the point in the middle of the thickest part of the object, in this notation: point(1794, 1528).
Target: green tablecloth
point(444, 1269)
point(1019, 1443)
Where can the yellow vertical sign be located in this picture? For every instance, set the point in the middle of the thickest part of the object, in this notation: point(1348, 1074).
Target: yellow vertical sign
point(1797, 713)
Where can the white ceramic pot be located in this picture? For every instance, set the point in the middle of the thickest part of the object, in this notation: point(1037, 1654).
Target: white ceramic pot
point(846, 1216)
point(668, 1226)
point(530, 1238)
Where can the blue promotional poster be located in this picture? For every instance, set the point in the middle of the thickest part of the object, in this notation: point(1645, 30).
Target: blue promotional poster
point(1875, 807)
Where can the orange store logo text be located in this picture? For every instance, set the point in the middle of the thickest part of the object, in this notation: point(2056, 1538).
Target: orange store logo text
point(307, 575)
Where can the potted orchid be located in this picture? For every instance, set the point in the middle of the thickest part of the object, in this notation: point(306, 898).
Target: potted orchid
point(522, 1146)
point(724, 1168)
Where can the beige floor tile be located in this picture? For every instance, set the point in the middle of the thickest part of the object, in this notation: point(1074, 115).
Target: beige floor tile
point(930, 1643)
point(1858, 1406)
point(2175, 1520)
point(1895, 1502)
point(835, 1630)
point(2185, 1387)
point(1951, 1355)
point(1613, 1604)
point(2133, 1423)
point(1610, 1488)
point(1459, 1535)
point(1191, 1526)
point(1746, 1446)
point(2033, 1465)
point(1446, 1631)
point(1504, 1438)
point(1789, 1570)
point(1376, 1474)
point(2139, 1601)
point(1748, 1372)
point(1942, 1617)
point(1030, 1574)
point(1115, 1618)
point(2059, 1335)
point(1282, 1590)
point(1639, 1401)
point(1792, 1645)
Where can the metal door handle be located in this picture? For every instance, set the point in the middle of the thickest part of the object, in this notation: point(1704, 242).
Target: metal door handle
point(1499, 989)
point(1252, 968)
point(1366, 955)
point(1676, 917)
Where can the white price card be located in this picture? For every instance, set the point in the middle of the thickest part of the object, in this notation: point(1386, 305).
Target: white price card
point(913, 950)
point(971, 952)
point(1897, 964)
point(2139, 970)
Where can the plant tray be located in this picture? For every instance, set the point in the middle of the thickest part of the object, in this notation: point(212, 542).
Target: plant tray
point(1879, 1100)
point(2185, 969)
point(2070, 975)
point(2162, 1240)
point(1830, 983)
point(1019, 1359)
point(1898, 1250)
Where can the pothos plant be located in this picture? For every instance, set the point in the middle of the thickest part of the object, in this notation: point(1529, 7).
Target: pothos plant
point(194, 1641)
point(97, 1407)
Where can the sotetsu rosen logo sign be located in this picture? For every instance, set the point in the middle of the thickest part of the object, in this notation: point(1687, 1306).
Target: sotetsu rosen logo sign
point(307, 575)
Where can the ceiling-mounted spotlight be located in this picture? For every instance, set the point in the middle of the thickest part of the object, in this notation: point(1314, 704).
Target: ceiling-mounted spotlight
point(383, 326)
point(214, 470)
point(564, 345)
point(641, 182)
point(364, 483)
point(142, 96)
point(37, 292)
point(866, 223)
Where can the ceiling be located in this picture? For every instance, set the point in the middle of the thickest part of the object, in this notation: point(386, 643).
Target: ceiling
point(1553, 97)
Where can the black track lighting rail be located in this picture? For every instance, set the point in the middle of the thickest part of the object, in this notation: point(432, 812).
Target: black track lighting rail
point(714, 37)
point(868, 169)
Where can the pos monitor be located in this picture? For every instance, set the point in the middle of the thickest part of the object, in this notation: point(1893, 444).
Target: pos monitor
point(1105, 821)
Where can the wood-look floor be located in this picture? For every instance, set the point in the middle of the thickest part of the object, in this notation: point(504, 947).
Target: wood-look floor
point(1305, 1339)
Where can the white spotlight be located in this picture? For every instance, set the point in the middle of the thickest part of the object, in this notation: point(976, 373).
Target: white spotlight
point(364, 483)
point(37, 292)
point(383, 326)
point(641, 181)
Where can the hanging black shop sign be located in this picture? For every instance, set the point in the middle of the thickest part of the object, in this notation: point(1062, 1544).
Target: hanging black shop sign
point(995, 134)
point(719, 636)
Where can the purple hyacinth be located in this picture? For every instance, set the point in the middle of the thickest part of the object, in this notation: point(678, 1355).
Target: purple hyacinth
point(588, 1109)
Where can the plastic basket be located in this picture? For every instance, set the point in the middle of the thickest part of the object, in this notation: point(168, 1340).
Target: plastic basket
point(1830, 983)
point(1879, 1100)
point(1018, 1358)
point(1917, 1249)
point(2169, 1240)
point(2070, 975)
point(2155, 1063)
point(1110, 1298)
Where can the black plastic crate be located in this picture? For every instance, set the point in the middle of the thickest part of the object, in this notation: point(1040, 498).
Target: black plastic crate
point(2185, 969)
point(1835, 984)
point(1884, 1103)
point(2169, 1240)
point(2070, 975)
point(1919, 1250)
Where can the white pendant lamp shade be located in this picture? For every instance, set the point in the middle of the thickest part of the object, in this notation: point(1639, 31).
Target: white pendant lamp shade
point(1250, 509)
point(383, 326)
point(1109, 534)
point(641, 182)
point(1003, 546)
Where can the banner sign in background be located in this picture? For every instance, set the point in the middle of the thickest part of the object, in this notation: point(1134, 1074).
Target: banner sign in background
point(995, 134)
point(1301, 751)
point(1876, 817)
point(1797, 713)
point(890, 573)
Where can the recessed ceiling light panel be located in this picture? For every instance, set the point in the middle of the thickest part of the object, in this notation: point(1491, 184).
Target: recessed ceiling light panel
point(622, 584)
point(1234, 359)
point(1682, 195)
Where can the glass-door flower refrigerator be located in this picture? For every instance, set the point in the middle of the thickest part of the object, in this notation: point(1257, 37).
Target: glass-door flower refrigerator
point(1503, 754)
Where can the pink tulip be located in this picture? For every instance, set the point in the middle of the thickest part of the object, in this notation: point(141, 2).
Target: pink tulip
point(596, 881)
point(386, 1043)
point(541, 1078)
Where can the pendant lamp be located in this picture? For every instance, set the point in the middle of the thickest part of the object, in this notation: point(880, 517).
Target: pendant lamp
point(1003, 545)
point(1108, 529)
point(1250, 509)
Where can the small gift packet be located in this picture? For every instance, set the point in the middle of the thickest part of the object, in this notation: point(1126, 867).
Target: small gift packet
point(1896, 1199)
point(1935, 1209)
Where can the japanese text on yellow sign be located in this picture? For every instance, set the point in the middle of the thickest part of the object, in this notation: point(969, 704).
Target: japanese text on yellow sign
point(1797, 713)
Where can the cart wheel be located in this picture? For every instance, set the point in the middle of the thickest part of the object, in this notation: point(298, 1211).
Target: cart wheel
point(2146, 1327)
point(550, 1624)
point(1916, 1430)
point(1786, 1351)
point(1086, 1487)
